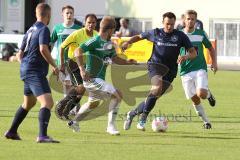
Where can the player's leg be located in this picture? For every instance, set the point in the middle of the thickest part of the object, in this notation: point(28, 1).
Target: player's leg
point(76, 80)
point(41, 90)
point(66, 83)
point(155, 92)
point(190, 84)
point(65, 108)
point(159, 86)
point(28, 102)
point(200, 112)
point(85, 109)
point(69, 106)
point(148, 104)
point(202, 87)
point(201, 83)
point(113, 112)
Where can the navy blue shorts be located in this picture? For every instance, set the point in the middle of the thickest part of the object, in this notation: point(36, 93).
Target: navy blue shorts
point(161, 70)
point(36, 85)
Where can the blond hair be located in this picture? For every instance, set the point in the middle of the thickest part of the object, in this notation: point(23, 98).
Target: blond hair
point(42, 10)
point(108, 22)
point(191, 12)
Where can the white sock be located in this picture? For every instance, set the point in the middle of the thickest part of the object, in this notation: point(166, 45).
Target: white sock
point(113, 110)
point(64, 91)
point(85, 108)
point(208, 94)
point(201, 113)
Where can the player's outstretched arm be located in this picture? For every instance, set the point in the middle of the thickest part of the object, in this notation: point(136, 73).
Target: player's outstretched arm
point(62, 60)
point(132, 40)
point(213, 56)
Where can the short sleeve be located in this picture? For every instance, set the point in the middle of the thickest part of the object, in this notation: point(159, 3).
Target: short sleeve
point(206, 40)
point(186, 41)
point(149, 35)
point(69, 40)
point(24, 42)
point(54, 35)
point(44, 36)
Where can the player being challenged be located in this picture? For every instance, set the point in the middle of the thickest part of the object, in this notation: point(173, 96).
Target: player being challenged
point(71, 43)
point(35, 56)
point(59, 34)
point(166, 47)
point(99, 50)
point(194, 72)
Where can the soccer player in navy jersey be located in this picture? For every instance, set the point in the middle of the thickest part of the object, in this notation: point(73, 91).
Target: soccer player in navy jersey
point(35, 58)
point(162, 65)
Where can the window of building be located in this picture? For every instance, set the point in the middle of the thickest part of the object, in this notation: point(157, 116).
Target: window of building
point(1, 12)
point(141, 25)
point(227, 34)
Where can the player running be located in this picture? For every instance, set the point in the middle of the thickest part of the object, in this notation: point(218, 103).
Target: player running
point(194, 72)
point(65, 105)
point(100, 51)
point(166, 47)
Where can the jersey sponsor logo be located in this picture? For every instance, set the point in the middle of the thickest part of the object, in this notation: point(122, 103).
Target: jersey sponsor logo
point(90, 41)
point(167, 44)
point(174, 38)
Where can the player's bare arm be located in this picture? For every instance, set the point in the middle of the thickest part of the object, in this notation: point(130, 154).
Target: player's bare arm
point(62, 60)
point(133, 39)
point(191, 55)
point(20, 56)
point(213, 56)
point(79, 60)
point(47, 56)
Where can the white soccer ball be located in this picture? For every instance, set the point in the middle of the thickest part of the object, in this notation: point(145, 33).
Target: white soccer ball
point(159, 124)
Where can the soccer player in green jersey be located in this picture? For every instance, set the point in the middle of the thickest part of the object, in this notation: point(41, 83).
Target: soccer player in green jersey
point(100, 51)
point(194, 72)
point(60, 33)
point(69, 105)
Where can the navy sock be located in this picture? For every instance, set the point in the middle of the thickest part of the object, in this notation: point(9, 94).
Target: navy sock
point(138, 110)
point(149, 105)
point(18, 118)
point(44, 116)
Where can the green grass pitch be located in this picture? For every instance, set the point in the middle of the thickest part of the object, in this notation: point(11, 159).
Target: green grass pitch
point(184, 139)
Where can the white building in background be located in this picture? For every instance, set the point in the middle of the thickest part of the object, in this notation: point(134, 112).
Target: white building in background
point(221, 19)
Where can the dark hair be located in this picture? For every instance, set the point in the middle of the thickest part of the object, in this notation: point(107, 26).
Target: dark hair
point(42, 9)
point(90, 15)
point(67, 7)
point(191, 12)
point(169, 15)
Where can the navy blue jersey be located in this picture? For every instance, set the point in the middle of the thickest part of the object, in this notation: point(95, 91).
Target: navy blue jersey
point(166, 47)
point(33, 62)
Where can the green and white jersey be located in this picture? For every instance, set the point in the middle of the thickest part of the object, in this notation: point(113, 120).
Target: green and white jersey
point(198, 38)
point(59, 34)
point(98, 55)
